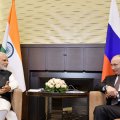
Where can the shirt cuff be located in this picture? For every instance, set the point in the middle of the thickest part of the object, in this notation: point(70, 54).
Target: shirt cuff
point(104, 88)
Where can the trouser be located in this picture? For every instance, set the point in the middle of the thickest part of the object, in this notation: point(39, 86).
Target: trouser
point(107, 112)
point(3, 114)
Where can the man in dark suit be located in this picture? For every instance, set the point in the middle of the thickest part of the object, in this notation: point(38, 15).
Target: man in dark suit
point(111, 87)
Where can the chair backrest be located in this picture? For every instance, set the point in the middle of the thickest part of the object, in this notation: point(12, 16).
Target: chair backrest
point(16, 101)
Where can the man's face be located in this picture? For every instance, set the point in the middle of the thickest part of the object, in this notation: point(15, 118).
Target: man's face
point(115, 64)
point(3, 62)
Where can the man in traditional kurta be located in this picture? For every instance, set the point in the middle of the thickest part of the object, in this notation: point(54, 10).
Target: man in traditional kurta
point(7, 85)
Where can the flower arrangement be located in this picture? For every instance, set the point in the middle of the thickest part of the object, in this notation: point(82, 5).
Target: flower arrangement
point(56, 85)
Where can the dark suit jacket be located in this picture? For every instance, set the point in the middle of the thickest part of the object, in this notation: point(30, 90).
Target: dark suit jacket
point(110, 80)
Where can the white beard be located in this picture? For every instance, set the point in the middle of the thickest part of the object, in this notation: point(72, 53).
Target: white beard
point(3, 67)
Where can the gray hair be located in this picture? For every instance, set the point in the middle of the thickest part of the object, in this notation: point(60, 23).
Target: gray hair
point(1, 54)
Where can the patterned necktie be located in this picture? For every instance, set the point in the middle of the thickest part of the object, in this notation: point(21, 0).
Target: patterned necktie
point(115, 100)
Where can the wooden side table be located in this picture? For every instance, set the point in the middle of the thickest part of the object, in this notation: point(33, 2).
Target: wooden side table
point(49, 96)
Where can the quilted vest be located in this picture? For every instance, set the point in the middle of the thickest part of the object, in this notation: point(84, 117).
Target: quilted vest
point(4, 77)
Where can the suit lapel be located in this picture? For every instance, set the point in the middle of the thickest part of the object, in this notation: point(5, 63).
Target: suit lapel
point(112, 80)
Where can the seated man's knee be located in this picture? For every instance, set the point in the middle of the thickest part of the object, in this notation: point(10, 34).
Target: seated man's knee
point(98, 109)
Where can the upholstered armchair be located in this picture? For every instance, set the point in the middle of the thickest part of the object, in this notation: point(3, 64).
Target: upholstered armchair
point(17, 103)
point(96, 98)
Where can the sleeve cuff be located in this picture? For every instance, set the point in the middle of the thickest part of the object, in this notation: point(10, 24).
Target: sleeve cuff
point(104, 88)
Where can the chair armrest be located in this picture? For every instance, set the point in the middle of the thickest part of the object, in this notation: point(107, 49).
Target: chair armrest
point(16, 102)
point(95, 98)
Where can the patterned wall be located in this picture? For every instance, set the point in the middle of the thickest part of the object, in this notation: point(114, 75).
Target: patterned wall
point(58, 21)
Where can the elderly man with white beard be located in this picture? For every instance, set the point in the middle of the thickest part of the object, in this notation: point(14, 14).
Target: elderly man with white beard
point(7, 85)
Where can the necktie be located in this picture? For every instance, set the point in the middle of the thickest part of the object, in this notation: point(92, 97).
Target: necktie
point(115, 100)
point(117, 83)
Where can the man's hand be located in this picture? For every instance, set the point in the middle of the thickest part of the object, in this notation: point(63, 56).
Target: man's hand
point(5, 88)
point(111, 92)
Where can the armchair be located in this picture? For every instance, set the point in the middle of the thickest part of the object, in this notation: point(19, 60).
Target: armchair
point(16, 101)
point(96, 98)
